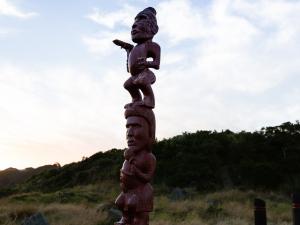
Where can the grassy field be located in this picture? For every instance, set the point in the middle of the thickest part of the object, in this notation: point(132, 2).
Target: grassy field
point(89, 205)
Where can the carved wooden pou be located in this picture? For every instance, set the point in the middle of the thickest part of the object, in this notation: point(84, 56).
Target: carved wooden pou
point(136, 199)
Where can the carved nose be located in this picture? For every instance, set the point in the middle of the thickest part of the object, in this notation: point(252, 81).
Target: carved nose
point(129, 132)
point(133, 26)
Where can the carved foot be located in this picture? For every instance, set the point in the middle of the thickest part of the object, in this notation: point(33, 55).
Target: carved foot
point(123, 221)
point(135, 103)
point(148, 104)
point(139, 103)
point(128, 105)
point(119, 223)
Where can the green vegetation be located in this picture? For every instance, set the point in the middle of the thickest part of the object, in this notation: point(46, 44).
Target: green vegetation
point(265, 160)
point(103, 166)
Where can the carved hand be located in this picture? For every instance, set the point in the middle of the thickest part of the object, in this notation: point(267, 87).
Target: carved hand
point(134, 169)
point(123, 44)
point(118, 42)
point(145, 177)
point(142, 63)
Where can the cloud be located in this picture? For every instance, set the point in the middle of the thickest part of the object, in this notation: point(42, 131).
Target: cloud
point(101, 44)
point(171, 58)
point(237, 45)
point(223, 58)
point(111, 19)
point(6, 32)
point(8, 9)
point(179, 20)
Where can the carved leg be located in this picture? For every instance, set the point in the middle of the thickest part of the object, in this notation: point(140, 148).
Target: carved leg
point(120, 201)
point(149, 100)
point(143, 82)
point(125, 220)
point(141, 218)
point(133, 90)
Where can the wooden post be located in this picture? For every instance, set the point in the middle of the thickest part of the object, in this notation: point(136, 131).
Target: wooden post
point(260, 216)
point(296, 209)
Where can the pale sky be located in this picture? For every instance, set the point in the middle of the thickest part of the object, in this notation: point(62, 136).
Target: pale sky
point(225, 65)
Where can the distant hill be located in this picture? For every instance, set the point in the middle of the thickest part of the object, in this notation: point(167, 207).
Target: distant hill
point(100, 166)
point(207, 160)
point(12, 176)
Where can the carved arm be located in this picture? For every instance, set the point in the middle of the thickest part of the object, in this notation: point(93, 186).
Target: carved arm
point(128, 47)
point(146, 177)
point(154, 52)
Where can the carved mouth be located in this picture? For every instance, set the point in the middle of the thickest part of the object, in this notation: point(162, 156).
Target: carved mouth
point(130, 143)
point(134, 32)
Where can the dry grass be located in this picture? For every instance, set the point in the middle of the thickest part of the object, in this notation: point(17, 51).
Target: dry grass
point(231, 207)
point(221, 208)
point(57, 214)
point(72, 215)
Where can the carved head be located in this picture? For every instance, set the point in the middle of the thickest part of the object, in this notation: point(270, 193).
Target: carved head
point(140, 124)
point(144, 26)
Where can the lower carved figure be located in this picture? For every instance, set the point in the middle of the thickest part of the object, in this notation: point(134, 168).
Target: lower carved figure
point(136, 198)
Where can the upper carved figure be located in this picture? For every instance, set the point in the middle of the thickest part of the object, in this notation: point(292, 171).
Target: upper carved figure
point(141, 57)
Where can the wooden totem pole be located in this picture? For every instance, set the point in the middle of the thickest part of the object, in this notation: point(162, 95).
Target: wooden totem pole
point(136, 198)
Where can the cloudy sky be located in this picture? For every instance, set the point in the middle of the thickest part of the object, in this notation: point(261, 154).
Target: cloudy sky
point(225, 65)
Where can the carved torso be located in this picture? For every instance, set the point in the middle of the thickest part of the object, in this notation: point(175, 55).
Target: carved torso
point(137, 52)
point(145, 162)
point(144, 50)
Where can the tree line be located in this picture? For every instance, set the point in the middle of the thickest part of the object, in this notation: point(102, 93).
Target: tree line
point(267, 159)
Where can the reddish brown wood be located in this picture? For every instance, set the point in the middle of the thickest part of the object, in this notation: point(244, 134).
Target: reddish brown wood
point(141, 57)
point(136, 199)
point(296, 208)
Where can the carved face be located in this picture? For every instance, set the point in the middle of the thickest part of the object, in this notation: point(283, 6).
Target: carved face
point(140, 31)
point(137, 135)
